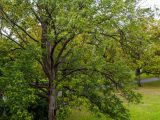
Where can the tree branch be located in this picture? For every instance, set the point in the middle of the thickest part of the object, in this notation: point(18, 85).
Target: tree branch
point(10, 38)
point(63, 48)
point(14, 23)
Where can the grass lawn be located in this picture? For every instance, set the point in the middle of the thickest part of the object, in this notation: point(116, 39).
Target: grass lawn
point(85, 115)
point(148, 109)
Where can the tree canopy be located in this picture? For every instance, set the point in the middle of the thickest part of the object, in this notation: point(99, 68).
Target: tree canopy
point(56, 55)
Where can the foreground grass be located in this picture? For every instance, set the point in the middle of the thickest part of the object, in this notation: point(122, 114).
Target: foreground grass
point(85, 115)
point(148, 109)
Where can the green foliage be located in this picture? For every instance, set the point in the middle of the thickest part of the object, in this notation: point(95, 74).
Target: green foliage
point(75, 46)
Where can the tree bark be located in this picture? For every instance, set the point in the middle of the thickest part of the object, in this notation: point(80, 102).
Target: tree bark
point(50, 72)
point(138, 78)
point(52, 104)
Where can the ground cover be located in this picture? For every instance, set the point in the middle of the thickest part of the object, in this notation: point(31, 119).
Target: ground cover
point(148, 109)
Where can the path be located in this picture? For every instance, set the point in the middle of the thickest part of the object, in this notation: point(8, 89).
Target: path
point(147, 80)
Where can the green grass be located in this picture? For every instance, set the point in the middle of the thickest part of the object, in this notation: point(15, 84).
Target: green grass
point(155, 85)
point(84, 114)
point(148, 109)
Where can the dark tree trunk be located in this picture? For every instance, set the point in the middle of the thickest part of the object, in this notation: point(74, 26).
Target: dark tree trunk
point(50, 71)
point(52, 104)
point(138, 78)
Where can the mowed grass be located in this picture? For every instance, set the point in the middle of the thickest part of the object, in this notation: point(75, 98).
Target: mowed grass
point(84, 114)
point(148, 109)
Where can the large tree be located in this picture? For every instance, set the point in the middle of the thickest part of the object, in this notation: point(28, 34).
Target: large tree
point(59, 50)
point(136, 40)
point(152, 58)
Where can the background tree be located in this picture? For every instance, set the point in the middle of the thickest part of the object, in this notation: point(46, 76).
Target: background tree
point(136, 40)
point(60, 56)
point(153, 54)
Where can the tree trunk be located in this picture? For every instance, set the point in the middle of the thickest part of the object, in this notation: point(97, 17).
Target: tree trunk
point(49, 70)
point(138, 73)
point(52, 104)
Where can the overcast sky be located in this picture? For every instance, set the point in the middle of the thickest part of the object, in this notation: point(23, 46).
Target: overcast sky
point(150, 3)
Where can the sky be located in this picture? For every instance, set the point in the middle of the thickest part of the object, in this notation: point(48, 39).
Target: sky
point(150, 3)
